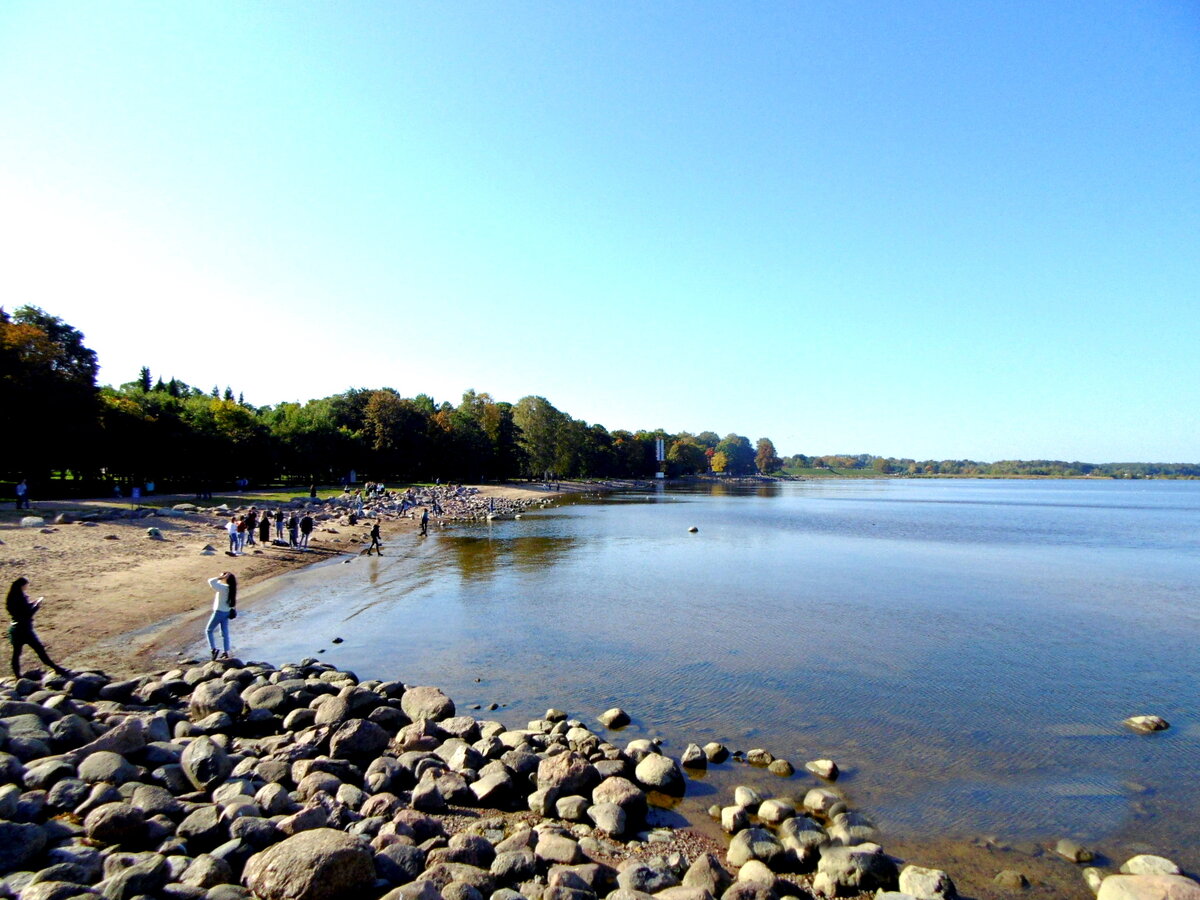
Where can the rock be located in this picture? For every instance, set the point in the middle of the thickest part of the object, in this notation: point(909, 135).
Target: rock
point(1010, 880)
point(821, 801)
point(1148, 887)
point(514, 866)
point(1146, 724)
point(693, 757)
point(624, 793)
point(19, 845)
point(203, 829)
point(640, 876)
point(753, 843)
point(154, 534)
point(358, 739)
point(734, 819)
point(1093, 878)
point(573, 808)
point(207, 871)
point(759, 757)
point(926, 884)
point(116, 823)
point(32, 521)
point(660, 773)
point(1146, 864)
point(104, 765)
point(692, 529)
point(322, 864)
point(854, 869)
point(774, 812)
point(215, 697)
point(781, 767)
point(426, 703)
point(747, 797)
point(1073, 851)
point(567, 773)
point(614, 718)
point(400, 863)
point(557, 849)
point(205, 762)
point(823, 768)
point(716, 753)
point(608, 817)
point(707, 873)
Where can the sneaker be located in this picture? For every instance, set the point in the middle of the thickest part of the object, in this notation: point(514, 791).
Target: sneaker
point(214, 653)
point(225, 655)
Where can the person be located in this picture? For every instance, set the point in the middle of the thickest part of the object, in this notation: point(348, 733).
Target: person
point(241, 533)
point(293, 530)
point(264, 529)
point(279, 524)
point(306, 527)
point(224, 602)
point(424, 521)
point(251, 525)
point(232, 528)
point(375, 545)
point(22, 495)
point(312, 491)
point(20, 631)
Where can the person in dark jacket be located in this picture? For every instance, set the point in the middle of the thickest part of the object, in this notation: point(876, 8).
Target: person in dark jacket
point(375, 545)
point(20, 632)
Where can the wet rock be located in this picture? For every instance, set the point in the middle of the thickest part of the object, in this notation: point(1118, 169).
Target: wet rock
point(823, 768)
point(1073, 851)
point(753, 843)
point(716, 752)
point(1146, 724)
point(1012, 880)
point(734, 819)
point(693, 757)
point(861, 868)
point(660, 773)
point(774, 812)
point(614, 718)
point(747, 797)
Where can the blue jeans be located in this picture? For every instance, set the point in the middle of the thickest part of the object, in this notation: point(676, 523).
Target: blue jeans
point(221, 618)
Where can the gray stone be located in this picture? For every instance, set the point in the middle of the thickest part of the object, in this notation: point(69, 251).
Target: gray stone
point(205, 762)
point(567, 773)
point(358, 739)
point(693, 757)
point(774, 812)
point(207, 871)
point(823, 768)
point(104, 765)
point(608, 817)
point(215, 696)
point(614, 718)
point(399, 863)
point(707, 873)
point(861, 868)
point(19, 845)
point(116, 823)
point(926, 884)
point(640, 876)
point(1011, 880)
point(660, 773)
point(1146, 724)
point(1148, 887)
point(1147, 864)
point(514, 866)
point(321, 864)
point(734, 819)
point(753, 843)
point(573, 808)
point(426, 703)
point(558, 849)
point(1073, 851)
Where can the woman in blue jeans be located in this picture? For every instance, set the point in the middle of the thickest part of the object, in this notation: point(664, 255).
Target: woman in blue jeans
point(224, 602)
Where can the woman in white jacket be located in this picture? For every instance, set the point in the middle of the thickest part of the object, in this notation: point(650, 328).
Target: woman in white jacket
point(224, 602)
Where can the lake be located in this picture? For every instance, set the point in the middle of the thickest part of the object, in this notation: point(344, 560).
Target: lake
point(964, 650)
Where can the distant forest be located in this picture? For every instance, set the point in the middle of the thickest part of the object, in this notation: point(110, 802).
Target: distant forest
point(68, 435)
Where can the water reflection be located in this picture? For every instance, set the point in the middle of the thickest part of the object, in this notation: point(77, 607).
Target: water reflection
point(480, 558)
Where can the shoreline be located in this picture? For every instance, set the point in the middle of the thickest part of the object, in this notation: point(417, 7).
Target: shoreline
point(159, 641)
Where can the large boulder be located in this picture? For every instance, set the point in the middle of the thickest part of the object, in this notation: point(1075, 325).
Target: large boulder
point(213, 697)
point(567, 773)
point(321, 864)
point(426, 703)
point(358, 739)
point(116, 823)
point(926, 884)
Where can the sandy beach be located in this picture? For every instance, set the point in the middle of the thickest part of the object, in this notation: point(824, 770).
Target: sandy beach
point(117, 599)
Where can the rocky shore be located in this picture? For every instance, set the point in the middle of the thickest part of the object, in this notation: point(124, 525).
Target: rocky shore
point(226, 780)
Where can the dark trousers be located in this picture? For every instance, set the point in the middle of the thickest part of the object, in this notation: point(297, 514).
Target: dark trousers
point(22, 635)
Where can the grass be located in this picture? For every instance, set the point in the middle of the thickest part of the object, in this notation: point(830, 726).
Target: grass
point(809, 472)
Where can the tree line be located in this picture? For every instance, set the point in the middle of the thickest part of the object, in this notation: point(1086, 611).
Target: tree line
point(186, 438)
point(1007, 468)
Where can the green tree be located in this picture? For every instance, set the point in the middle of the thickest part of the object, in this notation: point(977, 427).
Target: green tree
point(739, 455)
point(766, 460)
point(144, 379)
point(687, 457)
point(538, 424)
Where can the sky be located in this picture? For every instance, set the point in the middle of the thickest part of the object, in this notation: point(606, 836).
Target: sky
point(919, 229)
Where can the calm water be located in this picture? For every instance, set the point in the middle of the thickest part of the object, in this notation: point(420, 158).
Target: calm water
point(965, 650)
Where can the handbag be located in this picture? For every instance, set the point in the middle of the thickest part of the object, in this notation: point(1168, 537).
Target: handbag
point(232, 613)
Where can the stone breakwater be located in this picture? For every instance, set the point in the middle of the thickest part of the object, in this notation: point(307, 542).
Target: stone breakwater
point(226, 780)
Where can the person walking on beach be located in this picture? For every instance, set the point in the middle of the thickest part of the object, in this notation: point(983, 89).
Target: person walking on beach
point(224, 608)
point(279, 524)
point(22, 495)
point(424, 521)
point(251, 525)
point(20, 631)
point(306, 527)
point(375, 545)
point(264, 529)
point(232, 528)
point(293, 524)
point(241, 533)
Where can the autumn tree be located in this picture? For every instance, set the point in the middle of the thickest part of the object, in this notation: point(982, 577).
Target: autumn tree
point(766, 460)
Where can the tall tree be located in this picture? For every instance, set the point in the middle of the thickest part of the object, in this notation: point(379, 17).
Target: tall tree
point(144, 379)
point(538, 423)
point(766, 460)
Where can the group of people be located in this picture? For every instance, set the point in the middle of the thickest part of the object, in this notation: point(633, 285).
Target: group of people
point(243, 529)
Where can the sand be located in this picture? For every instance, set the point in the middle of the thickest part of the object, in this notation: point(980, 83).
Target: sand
point(118, 600)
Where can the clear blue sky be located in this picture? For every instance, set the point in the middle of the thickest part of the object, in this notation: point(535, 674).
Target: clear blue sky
point(927, 229)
